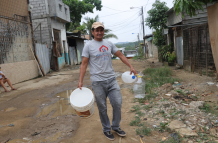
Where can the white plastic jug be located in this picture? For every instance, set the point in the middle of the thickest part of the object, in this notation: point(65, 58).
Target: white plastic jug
point(127, 78)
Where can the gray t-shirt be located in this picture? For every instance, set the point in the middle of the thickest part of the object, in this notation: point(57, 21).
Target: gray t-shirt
point(100, 63)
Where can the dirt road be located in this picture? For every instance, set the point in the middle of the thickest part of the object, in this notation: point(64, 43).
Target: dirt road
point(36, 113)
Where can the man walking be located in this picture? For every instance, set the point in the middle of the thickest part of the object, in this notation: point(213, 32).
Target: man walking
point(97, 53)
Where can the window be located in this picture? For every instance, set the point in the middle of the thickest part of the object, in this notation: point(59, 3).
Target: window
point(60, 7)
point(65, 10)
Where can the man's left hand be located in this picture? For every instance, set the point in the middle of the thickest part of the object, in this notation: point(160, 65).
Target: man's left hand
point(132, 70)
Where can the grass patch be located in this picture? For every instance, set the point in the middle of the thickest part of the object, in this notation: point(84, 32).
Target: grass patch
point(209, 109)
point(135, 108)
point(146, 107)
point(181, 92)
point(143, 131)
point(135, 122)
point(140, 114)
point(156, 77)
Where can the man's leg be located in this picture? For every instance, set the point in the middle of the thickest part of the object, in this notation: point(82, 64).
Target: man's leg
point(2, 84)
point(100, 90)
point(9, 83)
point(116, 101)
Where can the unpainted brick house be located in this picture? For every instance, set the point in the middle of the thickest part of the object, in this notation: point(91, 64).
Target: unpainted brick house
point(49, 18)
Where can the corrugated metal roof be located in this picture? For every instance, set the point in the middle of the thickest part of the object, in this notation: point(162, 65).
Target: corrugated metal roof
point(149, 39)
point(173, 18)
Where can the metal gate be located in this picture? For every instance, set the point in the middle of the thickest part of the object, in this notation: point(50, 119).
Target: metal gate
point(197, 49)
point(73, 56)
point(15, 39)
point(179, 50)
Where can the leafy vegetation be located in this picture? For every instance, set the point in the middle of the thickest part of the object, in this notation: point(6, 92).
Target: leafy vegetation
point(135, 122)
point(159, 39)
point(79, 8)
point(144, 131)
point(156, 77)
point(129, 45)
point(190, 6)
point(156, 16)
point(157, 20)
point(172, 57)
point(86, 27)
point(164, 52)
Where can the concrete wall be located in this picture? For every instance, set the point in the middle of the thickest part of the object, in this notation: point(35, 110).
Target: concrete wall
point(55, 11)
point(155, 51)
point(20, 71)
point(11, 7)
point(152, 49)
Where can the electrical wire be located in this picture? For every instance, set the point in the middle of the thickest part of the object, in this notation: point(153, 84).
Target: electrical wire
point(111, 8)
point(127, 31)
point(127, 24)
point(114, 13)
point(123, 22)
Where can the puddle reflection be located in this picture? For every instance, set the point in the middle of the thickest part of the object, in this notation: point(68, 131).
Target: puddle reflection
point(61, 107)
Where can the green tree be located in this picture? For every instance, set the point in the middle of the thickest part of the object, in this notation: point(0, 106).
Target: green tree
point(88, 23)
point(78, 8)
point(190, 6)
point(82, 29)
point(157, 17)
point(157, 20)
point(159, 39)
point(108, 35)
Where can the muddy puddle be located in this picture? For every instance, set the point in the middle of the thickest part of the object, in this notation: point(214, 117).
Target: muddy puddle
point(54, 122)
point(60, 108)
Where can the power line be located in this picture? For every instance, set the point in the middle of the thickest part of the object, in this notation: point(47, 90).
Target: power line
point(128, 23)
point(111, 8)
point(126, 32)
point(115, 13)
point(123, 22)
point(122, 28)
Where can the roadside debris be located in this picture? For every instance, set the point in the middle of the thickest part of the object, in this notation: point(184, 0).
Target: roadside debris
point(36, 133)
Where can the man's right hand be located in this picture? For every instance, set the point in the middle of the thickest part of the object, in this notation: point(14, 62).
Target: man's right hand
point(80, 85)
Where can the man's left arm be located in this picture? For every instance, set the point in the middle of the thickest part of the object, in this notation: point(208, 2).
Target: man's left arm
point(125, 61)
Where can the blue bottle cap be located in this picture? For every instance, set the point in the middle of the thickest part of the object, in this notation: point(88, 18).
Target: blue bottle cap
point(133, 77)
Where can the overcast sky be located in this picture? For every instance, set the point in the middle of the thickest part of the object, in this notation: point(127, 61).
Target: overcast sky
point(117, 16)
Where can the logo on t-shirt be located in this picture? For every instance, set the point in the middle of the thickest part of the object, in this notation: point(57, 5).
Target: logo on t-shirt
point(103, 48)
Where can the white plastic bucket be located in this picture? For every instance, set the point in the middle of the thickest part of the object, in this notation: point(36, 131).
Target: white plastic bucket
point(83, 102)
point(127, 78)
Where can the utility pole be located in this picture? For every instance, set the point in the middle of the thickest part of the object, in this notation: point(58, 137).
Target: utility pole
point(138, 39)
point(143, 25)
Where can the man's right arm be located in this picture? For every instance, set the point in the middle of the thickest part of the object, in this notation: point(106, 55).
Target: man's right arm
point(83, 68)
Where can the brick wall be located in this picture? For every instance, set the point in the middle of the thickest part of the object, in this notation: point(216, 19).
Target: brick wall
point(40, 15)
point(39, 7)
point(10, 7)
